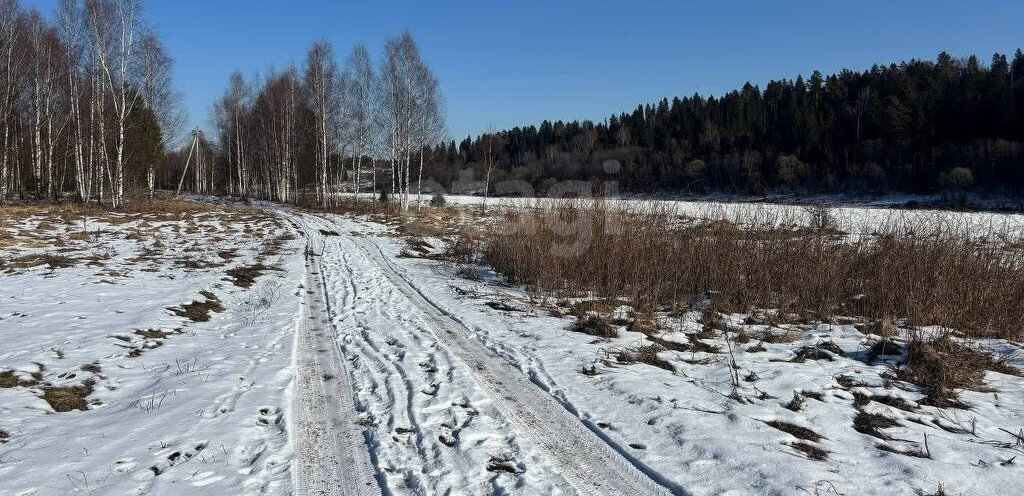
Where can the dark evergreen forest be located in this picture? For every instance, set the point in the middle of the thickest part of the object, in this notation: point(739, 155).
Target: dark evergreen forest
point(919, 126)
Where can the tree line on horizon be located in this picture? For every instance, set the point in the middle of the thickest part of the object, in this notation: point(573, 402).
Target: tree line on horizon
point(919, 126)
point(86, 102)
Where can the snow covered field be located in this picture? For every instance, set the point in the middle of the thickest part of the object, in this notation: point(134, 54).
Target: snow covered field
point(851, 219)
point(457, 383)
point(175, 406)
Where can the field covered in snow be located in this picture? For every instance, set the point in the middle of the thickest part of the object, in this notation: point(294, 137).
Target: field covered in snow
point(865, 219)
point(222, 350)
point(140, 357)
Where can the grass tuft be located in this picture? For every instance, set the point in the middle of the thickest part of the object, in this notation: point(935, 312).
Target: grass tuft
point(943, 366)
point(795, 430)
point(594, 326)
point(68, 398)
point(199, 311)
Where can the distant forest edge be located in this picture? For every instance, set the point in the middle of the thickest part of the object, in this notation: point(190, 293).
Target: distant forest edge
point(924, 127)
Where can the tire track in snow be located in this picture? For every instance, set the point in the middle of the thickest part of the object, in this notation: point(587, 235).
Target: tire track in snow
point(584, 459)
point(331, 458)
point(431, 428)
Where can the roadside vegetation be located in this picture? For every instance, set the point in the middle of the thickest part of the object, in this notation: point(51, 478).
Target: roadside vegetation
point(921, 274)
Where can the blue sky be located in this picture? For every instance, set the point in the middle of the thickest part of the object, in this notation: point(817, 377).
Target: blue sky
point(522, 61)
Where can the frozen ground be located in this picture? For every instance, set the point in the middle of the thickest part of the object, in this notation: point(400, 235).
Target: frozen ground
point(367, 367)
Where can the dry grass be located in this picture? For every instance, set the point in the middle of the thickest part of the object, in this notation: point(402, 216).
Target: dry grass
point(795, 430)
point(91, 368)
point(594, 326)
point(943, 366)
point(931, 275)
point(872, 424)
point(813, 452)
point(363, 207)
point(644, 354)
point(48, 259)
point(153, 333)
point(246, 275)
point(199, 311)
point(68, 398)
point(9, 380)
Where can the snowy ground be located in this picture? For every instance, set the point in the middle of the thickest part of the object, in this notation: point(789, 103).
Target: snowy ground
point(868, 219)
point(176, 406)
point(684, 426)
point(454, 385)
point(850, 219)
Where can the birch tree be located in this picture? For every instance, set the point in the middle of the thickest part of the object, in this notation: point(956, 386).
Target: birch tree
point(321, 86)
point(115, 26)
point(429, 121)
point(412, 106)
point(361, 105)
point(10, 13)
point(71, 28)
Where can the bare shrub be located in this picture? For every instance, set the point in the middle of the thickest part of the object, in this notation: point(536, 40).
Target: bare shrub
point(928, 273)
point(820, 217)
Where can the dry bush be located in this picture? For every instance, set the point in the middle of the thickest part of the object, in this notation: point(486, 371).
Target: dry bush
point(931, 274)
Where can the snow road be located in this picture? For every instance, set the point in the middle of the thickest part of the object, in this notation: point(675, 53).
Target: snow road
point(330, 459)
point(442, 413)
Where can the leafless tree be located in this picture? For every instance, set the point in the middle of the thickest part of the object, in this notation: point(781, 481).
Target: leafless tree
point(321, 85)
point(411, 105)
point(430, 126)
point(10, 67)
point(492, 145)
point(115, 27)
point(158, 93)
point(361, 106)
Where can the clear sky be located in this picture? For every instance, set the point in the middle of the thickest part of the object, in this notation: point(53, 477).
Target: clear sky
point(518, 62)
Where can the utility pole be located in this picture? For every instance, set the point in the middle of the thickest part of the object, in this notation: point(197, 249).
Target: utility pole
point(195, 144)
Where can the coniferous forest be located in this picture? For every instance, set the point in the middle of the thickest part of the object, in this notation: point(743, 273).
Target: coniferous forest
point(919, 126)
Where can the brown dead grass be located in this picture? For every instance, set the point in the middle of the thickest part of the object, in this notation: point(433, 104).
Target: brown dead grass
point(943, 366)
point(795, 430)
point(594, 326)
point(813, 452)
point(68, 398)
point(50, 260)
point(644, 354)
point(872, 424)
point(153, 333)
point(199, 311)
point(9, 380)
point(654, 258)
point(245, 276)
